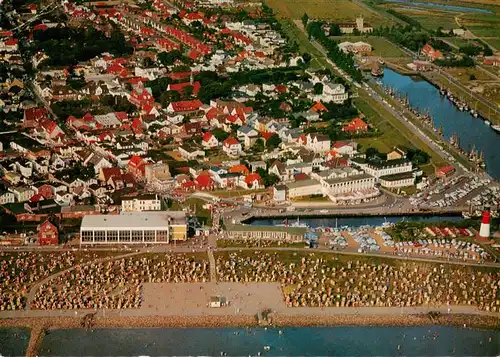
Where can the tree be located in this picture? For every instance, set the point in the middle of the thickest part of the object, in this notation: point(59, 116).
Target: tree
point(318, 88)
point(220, 134)
point(273, 142)
point(187, 92)
point(168, 97)
point(305, 20)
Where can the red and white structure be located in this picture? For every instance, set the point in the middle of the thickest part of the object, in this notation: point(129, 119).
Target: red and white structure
point(484, 231)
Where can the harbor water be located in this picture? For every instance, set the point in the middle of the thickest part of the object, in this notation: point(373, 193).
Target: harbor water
point(14, 341)
point(444, 7)
point(472, 132)
point(353, 222)
point(317, 341)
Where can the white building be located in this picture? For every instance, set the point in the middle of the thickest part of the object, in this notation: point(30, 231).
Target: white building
point(303, 188)
point(385, 168)
point(399, 180)
point(141, 203)
point(349, 184)
point(317, 143)
point(134, 228)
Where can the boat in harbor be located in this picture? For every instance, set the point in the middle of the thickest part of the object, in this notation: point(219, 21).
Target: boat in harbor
point(487, 122)
point(496, 128)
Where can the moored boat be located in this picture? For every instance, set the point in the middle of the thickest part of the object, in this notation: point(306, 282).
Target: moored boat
point(496, 127)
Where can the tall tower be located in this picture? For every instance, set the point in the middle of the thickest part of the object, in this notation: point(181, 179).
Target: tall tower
point(484, 231)
point(360, 23)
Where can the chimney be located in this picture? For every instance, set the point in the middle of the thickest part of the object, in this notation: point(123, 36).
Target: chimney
point(484, 231)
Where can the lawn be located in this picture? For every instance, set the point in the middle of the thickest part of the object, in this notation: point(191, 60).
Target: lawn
point(336, 10)
point(380, 46)
point(295, 34)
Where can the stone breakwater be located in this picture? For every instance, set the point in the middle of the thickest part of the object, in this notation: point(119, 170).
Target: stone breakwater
point(39, 326)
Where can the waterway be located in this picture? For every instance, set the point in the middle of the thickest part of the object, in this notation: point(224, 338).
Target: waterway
point(14, 341)
point(354, 221)
point(317, 341)
point(472, 132)
point(445, 7)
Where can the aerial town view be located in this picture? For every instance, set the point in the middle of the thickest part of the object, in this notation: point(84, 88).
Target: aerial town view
point(250, 177)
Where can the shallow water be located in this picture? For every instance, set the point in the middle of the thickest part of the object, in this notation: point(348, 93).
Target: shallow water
point(316, 341)
point(14, 341)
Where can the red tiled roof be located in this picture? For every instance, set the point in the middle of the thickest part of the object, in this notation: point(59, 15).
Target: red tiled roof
point(207, 136)
point(230, 141)
point(186, 106)
point(252, 177)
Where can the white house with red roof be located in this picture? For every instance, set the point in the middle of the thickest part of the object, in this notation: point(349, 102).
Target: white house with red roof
point(355, 126)
point(232, 147)
point(9, 45)
point(431, 53)
point(252, 181)
point(344, 148)
point(209, 141)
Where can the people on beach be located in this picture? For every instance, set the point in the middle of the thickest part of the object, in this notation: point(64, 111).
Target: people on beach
point(20, 270)
point(310, 280)
point(117, 284)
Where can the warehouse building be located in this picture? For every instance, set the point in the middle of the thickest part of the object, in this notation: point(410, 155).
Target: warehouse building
point(134, 228)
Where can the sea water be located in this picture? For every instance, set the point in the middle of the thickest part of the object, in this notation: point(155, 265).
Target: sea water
point(315, 341)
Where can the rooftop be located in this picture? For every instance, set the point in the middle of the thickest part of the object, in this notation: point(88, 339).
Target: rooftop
point(134, 220)
point(348, 178)
point(250, 228)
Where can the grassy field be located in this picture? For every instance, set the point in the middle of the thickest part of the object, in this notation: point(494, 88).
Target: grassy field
point(337, 10)
point(460, 42)
point(294, 33)
point(493, 42)
point(381, 46)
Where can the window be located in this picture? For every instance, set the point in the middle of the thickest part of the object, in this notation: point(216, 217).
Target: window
point(112, 236)
point(124, 236)
point(149, 236)
point(162, 236)
point(87, 236)
point(136, 236)
point(99, 236)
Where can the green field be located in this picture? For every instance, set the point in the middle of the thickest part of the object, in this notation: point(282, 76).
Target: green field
point(381, 46)
point(296, 34)
point(493, 42)
point(337, 10)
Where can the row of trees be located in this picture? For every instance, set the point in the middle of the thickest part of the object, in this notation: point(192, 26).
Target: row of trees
point(67, 46)
point(343, 60)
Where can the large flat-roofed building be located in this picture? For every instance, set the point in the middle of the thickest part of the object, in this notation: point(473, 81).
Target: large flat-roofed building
point(281, 233)
point(134, 228)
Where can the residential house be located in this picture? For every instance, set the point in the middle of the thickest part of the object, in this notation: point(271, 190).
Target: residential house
point(141, 203)
point(48, 233)
point(355, 126)
point(191, 151)
point(232, 147)
point(248, 135)
point(209, 141)
point(318, 143)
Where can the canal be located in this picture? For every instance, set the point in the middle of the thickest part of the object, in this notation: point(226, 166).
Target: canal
point(472, 132)
point(353, 221)
point(444, 7)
